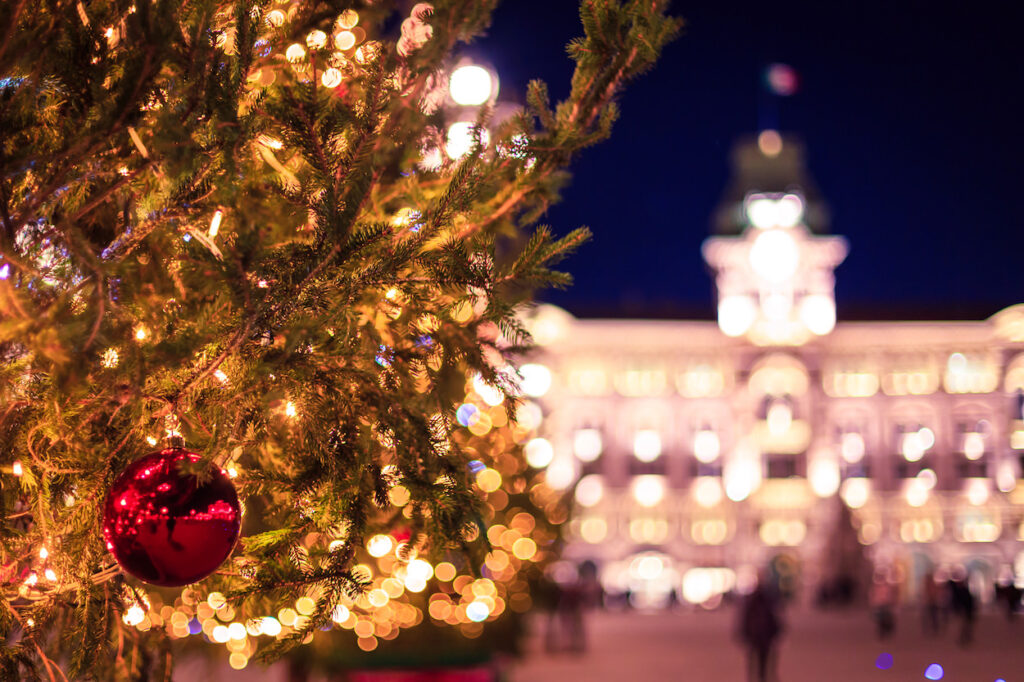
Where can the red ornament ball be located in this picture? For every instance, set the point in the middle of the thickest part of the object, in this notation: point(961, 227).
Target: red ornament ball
point(164, 526)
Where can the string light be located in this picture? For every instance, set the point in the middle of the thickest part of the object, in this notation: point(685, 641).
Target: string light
point(16, 468)
point(141, 333)
point(218, 215)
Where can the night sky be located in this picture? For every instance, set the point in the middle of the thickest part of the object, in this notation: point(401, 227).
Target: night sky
point(912, 121)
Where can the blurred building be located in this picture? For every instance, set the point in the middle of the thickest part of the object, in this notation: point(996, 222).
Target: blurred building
point(697, 451)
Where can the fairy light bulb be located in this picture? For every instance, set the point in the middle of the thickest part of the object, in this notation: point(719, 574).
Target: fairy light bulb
point(331, 78)
point(289, 409)
point(316, 39)
point(43, 553)
point(295, 53)
point(51, 575)
point(218, 215)
point(16, 468)
point(141, 333)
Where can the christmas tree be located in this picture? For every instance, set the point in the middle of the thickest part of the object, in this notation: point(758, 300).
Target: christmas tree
point(244, 277)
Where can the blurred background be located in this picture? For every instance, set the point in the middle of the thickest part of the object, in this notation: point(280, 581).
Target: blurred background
point(775, 430)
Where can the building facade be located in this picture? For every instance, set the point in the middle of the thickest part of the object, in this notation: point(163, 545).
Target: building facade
point(698, 451)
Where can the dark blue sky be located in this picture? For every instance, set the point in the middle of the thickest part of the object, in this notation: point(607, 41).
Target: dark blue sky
point(912, 120)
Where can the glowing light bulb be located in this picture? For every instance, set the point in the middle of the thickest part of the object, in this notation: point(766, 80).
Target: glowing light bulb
point(460, 139)
point(218, 215)
point(295, 53)
point(974, 445)
point(16, 468)
point(141, 333)
point(331, 78)
point(471, 85)
point(315, 40)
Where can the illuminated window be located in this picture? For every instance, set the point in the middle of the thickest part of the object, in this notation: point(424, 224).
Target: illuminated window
point(911, 376)
point(971, 373)
point(641, 382)
point(590, 381)
point(701, 381)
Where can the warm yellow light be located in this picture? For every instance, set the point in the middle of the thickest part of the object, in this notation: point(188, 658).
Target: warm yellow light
point(220, 634)
point(974, 445)
point(216, 601)
point(275, 18)
point(316, 39)
point(295, 53)
point(488, 480)
point(289, 409)
point(141, 333)
point(379, 545)
point(236, 631)
point(215, 221)
point(707, 491)
point(648, 490)
point(331, 78)
point(855, 492)
point(539, 452)
point(238, 660)
point(110, 358)
point(305, 606)
point(348, 19)
point(16, 468)
point(345, 40)
point(852, 447)
point(770, 143)
point(134, 615)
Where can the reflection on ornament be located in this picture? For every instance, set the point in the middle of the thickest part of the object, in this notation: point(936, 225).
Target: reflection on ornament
point(166, 527)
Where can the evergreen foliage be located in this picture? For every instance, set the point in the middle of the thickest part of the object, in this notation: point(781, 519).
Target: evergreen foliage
point(316, 339)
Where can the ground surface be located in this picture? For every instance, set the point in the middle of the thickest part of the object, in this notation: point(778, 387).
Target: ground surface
point(685, 646)
point(818, 647)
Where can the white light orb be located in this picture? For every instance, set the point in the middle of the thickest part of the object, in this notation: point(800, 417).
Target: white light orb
point(539, 452)
point(647, 445)
point(529, 415)
point(1006, 476)
point(736, 314)
point(587, 445)
point(589, 490)
point(742, 477)
point(912, 447)
point(818, 313)
point(855, 492)
point(648, 490)
point(775, 255)
point(974, 445)
point(851, 447)
point(561, 473)
point(824, 476)
point(926, 437)
point(789, 210)
point(978, 491)
point(761, 211)
point(536, 380)
point(916, 492)
point(491, 395)
point(706, 446)
point(471, 85)
point(460, 138)
point(928, 478)
point(707, 491)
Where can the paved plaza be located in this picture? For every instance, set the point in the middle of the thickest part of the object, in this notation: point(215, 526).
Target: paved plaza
point(818, 647)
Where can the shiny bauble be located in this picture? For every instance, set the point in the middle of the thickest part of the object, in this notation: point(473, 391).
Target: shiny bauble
point(167, 526)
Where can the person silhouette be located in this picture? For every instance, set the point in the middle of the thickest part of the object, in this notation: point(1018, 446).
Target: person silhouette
point(760, 627)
